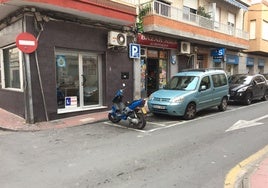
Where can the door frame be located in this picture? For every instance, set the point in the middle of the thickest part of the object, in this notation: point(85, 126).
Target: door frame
point(80, 104)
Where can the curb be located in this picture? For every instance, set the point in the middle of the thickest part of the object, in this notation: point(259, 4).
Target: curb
point(239, 176)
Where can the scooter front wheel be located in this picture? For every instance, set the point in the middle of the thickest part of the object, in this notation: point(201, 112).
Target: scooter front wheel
point(113, 118)
point(142, 122)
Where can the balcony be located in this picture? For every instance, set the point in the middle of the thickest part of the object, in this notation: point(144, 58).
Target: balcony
point(168, 20)
point(121, 12)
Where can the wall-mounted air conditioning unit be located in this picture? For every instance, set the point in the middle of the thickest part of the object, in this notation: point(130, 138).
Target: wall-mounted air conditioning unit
point(185, 47)
point(117, 38)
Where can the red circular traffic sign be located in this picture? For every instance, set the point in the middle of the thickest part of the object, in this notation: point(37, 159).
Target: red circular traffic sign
point(26, 42)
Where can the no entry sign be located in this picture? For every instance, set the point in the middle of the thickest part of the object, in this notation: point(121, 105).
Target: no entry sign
point(26, 42)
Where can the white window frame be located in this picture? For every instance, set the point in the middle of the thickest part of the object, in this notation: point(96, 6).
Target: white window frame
point(252, 29)
point(264, 30)
point(217, 17)
point(20, 69)
point(80, 55)
point(191, 4)
point(231, 19)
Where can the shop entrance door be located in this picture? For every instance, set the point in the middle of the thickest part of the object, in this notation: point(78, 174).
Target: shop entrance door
point(152, 75)
point(78, 78)
point(89, 87)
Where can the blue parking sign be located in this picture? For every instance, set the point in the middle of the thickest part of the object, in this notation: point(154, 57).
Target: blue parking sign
point(134, 50)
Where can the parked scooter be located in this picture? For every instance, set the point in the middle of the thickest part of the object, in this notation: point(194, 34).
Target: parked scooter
point(134, 112)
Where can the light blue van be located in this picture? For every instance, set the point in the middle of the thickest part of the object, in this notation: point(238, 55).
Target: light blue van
point(190, 91)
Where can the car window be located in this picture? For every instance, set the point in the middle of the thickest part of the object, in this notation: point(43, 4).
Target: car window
point(219, 80)
point(260, 79)
point(182, 83)
point(266, 76)
point(240, 79)
point(205, 81)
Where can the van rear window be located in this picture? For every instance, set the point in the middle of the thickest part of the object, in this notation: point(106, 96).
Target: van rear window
point(219, 80)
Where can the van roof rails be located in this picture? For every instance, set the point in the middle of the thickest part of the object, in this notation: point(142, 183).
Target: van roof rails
point(201, 69)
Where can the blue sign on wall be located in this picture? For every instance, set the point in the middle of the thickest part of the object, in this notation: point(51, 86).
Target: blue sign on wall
point(250, 62)
point(232, 59)
point(134, 50)
point(261, 63)
point(218, 52)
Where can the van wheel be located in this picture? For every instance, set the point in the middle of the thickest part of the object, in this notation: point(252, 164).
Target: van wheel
point(248, 99)
point(223, 106)
point(190, 111)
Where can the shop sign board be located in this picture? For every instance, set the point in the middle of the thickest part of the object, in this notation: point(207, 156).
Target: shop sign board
point(71, 101)
point(26, 42)
point(219, 52)
point(157, 41)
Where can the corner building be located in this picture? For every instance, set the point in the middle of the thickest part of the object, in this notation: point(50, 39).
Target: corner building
point(80, 62)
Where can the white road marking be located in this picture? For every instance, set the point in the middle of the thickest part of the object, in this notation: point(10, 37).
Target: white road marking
point(240, 124)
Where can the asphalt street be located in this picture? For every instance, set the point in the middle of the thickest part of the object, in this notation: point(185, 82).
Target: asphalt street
point(170, 152)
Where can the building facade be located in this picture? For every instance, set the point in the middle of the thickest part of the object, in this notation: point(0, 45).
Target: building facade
point(207, 34)
point(82, 56)
point(80, 62)
point(257, 25)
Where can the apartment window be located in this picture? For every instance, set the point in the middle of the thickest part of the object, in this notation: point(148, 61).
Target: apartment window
point(264, 30)
point(190, 3)
point(11, 68)
point(217, 17)
point(231, 23)
point(252, 29)
point(189, 10)
point(162, 8)
point(189, 14)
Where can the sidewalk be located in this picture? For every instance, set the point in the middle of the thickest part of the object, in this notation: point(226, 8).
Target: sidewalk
point(12, 122)
point(258, 178)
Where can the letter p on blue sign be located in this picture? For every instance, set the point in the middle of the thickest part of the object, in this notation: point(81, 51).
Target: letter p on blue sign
point(134, 50)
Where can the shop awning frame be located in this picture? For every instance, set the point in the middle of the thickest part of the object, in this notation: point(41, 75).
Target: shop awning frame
point(237, 4)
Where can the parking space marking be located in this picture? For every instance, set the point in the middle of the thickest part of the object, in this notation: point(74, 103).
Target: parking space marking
point(124, 127)
point(161, 126)
point(169, 124)
point(158, 124)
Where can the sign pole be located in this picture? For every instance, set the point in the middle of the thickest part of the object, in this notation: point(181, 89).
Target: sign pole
point(27, 43)
point(29, 115)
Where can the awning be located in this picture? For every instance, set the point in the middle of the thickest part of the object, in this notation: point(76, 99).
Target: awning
point(237, 4)
point(250, 62)
point(261, 63)
point(232, 59)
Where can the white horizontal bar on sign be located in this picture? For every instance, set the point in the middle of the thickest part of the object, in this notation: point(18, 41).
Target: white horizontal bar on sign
point(27, 42)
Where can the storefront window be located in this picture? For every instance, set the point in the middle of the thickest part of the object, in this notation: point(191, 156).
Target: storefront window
point(12, 68)
point(162, 73)
point(78, 78)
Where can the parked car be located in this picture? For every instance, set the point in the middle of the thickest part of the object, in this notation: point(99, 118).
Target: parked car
point(266, 76)
point(246, 88)
point(191, 91)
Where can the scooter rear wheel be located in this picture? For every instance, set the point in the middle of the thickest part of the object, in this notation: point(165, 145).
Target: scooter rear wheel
point(142, 121)
point(112, 118)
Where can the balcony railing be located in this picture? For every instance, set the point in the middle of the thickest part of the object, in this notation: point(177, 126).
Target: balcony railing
point(162, 9)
